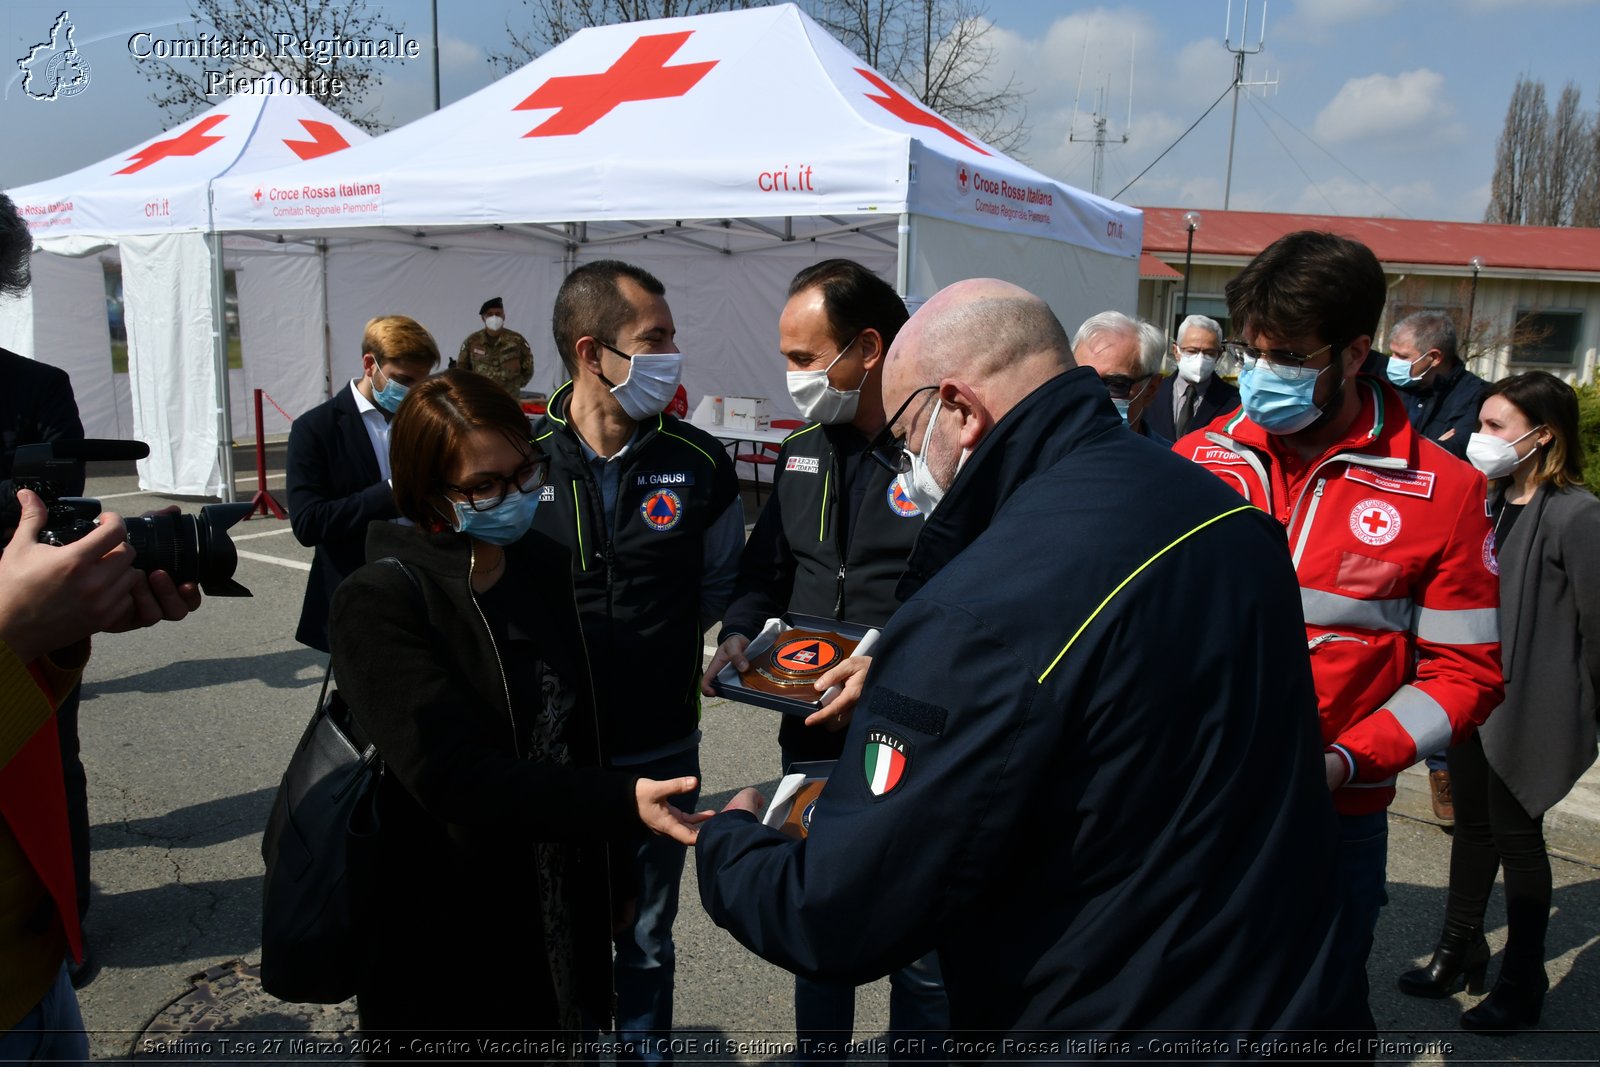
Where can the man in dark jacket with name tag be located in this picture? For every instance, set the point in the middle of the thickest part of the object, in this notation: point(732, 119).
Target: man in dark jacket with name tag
point(649, 507)
point(832, 542)
point(1106, 845)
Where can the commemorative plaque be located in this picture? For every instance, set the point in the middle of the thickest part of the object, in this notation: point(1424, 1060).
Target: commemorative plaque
point(786, 660)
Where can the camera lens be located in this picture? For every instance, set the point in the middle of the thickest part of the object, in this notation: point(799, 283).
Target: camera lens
point(190, 548)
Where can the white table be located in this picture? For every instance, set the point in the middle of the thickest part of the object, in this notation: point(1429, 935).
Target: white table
point(730, 435)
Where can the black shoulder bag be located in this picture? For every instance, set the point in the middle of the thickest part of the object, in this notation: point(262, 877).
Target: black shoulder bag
point(318, 848)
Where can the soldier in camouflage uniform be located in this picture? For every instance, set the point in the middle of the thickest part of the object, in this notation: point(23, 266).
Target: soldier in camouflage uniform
point(497, 353)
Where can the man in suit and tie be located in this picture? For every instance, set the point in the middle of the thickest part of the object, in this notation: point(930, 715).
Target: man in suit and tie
point(338, 465)
point(1195, 395)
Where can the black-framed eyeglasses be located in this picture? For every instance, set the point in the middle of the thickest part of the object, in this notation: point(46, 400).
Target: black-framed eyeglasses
point(1121, 386)
point(613, 348)
point(1282, 362)
point(888, 450)
point(491, 492)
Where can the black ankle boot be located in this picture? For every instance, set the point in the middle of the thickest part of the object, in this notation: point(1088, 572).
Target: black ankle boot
point(1514, 1005)
point(1461, 957)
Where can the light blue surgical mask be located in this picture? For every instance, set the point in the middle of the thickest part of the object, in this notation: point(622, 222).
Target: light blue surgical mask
point(1279, 400)
point(1122, 408)
point(388, 398)
point(1399, 370)
point(502, 524)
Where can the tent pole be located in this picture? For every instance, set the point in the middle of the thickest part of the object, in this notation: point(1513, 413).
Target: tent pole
point(219, 351)
point(327, 329)
point(902, 265)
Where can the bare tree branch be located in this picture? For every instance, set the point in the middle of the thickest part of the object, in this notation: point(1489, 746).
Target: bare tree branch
point(1518, 155)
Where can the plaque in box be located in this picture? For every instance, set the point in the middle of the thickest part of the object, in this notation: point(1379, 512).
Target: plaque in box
point(788, 657)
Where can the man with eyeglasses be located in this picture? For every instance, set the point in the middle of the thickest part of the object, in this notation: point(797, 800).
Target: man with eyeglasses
point(1195, 395)
point(337, 469)
point(1387, 531)
point(832, 542)
point(649, 506)
point(1126, 353)
point(1032, 782)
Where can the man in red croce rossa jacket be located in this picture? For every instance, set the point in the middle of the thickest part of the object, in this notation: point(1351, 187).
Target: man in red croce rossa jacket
point(1388, 533)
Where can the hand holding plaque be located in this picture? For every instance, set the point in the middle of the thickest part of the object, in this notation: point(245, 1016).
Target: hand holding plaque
point(787, 659)
point(797, 658)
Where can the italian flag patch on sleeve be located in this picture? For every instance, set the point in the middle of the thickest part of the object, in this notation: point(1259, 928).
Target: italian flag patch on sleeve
point(885, 762)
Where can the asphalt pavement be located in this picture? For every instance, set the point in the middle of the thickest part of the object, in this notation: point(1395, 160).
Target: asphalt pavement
point(186, 728)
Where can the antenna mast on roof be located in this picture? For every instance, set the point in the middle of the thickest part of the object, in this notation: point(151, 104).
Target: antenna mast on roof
point(1098, 121)
point(1239, 52)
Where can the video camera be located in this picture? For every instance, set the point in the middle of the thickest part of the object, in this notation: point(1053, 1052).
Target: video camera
point(190, 548)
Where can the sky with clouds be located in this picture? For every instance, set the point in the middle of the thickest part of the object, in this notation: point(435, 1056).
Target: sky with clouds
point(1378, 107)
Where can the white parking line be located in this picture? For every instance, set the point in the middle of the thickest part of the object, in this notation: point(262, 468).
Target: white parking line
point(241, 480)
point(293, 563)
point(251, 537)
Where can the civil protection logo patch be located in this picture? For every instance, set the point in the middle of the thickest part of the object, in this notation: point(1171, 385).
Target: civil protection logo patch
point(661, 509)
point(901, 504)
point(1491, 562)
point(806, 655)
point(884, 762)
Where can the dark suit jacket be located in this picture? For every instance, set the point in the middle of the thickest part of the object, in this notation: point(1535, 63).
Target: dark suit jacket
point(1218, 397)
point(36, 405)
point(1447, 412)
point(334, 493)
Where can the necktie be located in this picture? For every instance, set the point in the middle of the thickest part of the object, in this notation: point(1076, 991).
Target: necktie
point(1191, 400)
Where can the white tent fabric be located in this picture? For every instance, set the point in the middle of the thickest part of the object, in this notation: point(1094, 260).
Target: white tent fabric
point(174, 399)
point(59, 322)
point(746, 114)
point(153, 201)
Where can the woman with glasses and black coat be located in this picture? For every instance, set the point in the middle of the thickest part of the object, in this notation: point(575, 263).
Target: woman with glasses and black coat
point(1536, 745)
point(466, 668)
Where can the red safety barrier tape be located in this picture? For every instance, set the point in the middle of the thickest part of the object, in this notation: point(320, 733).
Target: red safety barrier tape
point(274, 403)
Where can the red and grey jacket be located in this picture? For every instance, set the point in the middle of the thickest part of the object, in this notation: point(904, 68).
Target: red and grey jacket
point(1392, 543)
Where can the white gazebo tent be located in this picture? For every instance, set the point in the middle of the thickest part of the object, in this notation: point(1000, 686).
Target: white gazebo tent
point(152, 203)
point(722, 152)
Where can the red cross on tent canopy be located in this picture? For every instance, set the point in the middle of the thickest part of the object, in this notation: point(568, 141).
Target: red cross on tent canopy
point(641, 73)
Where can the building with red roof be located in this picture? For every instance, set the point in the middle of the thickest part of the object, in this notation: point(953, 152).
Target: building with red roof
point(1534, 293)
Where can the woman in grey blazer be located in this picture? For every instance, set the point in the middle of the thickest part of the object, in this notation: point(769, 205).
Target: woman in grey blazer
point(1533, 747)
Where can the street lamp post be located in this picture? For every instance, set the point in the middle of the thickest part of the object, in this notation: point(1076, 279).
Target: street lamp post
point(1472, 301)
point(1191, 220)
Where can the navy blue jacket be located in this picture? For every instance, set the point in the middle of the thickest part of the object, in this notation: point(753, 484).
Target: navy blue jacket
point(335, 493)
point(1086, 767)
point(1447, 411)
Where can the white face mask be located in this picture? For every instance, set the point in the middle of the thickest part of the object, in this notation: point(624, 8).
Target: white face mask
point(1197, 367)
point(918, 484)
point(1495, 456)
point(816, 397)
point(653, 378)
point(494, 322)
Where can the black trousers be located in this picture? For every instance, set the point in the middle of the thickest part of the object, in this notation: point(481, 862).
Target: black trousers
point(1493, 831)
point(77, 783)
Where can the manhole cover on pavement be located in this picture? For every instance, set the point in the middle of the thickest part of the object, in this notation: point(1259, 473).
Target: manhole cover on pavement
point(226, 1015)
